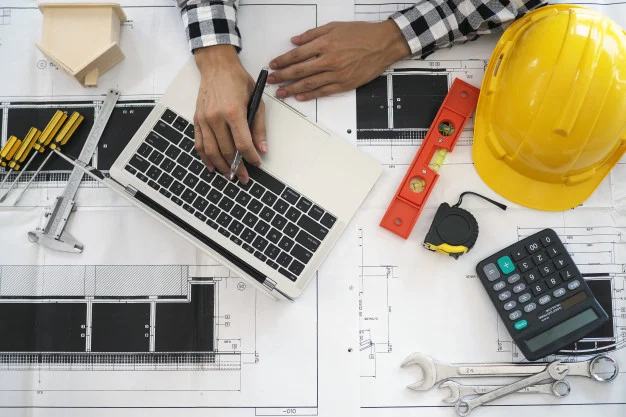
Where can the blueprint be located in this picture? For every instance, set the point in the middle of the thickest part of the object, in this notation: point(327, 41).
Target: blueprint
point(142, 322)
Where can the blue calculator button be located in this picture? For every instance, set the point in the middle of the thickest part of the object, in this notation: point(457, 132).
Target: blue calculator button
point(506, 265)
point(520, 325)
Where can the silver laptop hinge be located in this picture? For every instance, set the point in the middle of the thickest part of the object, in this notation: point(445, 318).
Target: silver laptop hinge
point(130, 190)
point(269, 284)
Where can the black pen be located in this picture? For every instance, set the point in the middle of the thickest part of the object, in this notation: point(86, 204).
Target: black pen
point(253, 106)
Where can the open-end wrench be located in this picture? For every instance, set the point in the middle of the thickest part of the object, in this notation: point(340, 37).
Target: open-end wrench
point(555, 371)
point(458, 391)
point(435, 371)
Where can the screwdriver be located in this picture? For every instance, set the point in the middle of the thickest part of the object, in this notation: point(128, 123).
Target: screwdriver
point(61, 139)
point(23, 151)
point(9, 149)
point(40, 145)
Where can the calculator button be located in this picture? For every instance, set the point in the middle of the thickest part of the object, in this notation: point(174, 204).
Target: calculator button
point(513, 278)
point(533, 247)
point(553, 281)
point(520, 325)
point(546, 270)
point(530, 307)
point(558, 293)
point(546, 240)
point(519, 288)
point(525, 265)
point(553, 251)
point(540, 257)
point(506, 265)
point(560, 262)
point(510, 305)
point(515, 315)
point(491, 271)
point(531, 277)
point(544, 300)
point(573, 285)
point(518, 254)
point(568, 273)
point(538, 288)
point(504, 295)
point(524, 297)
point(499, 285)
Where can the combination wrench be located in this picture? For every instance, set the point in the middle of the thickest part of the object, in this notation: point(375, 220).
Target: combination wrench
point(458, 391)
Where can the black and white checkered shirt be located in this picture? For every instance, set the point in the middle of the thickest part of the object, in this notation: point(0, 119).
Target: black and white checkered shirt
point(427, 26)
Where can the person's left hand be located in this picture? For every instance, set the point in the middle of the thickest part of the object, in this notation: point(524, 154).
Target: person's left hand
point(345, 55)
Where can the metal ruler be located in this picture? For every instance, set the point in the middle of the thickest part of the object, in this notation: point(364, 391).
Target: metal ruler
point(54, 236)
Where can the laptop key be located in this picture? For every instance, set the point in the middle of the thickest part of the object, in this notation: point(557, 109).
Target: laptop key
point(139, 163)
point(235, 227)
point(267, 214)
point(224, 219)
point(274, 235)
point(296, 267)
point(168, 115)
point(269, 198)
point(313, 227)
point(142, 177)
point(245, 186)
point(167, 165)
point(189, 131)
point(250, 219)
point(238, 212)
point(255, 206)
point(307, 241)
point(328, 220)
point(272, 264)
point(286, 244)
point(188, 196)
point(200, 204)
point(212, 224)
point(260, 256)
point(243, 198)
point(189, 208)
point(304, 204)
point(177, 200)
point(231, 190)
point(248, 248)
point(316, 212)
point(256, 191)
point(165, 192)
point(236, 240)
point(156, 158)
point(287, 274)
point(153, 172)
point(301, 254)
point(291, 230)
point(279, 222)
point(223, 231)
point(261, 227)
point(248, 235)
point(130, 169)
point(284, 259)
point(190, 180)
point(293, 214)
point(272, 251)
point(144, 150)
point(200, 216)
point(203, 188)
point(157, 141)
point(265, 179)
point(194, 154)
point(281, 206)
point(168, 132)
point(196, 167)
point(214, 195)
point(154, 185)
point(226, 204)
point(179, 172)
point(219, 182)
point(186, 144)
point(180, 123)
point(177, 188)
point(165, 180)
point(184, 159)
point(212, 211)
point(207, 175)
point(290, 195)
point(172, 152)
point(259, 243)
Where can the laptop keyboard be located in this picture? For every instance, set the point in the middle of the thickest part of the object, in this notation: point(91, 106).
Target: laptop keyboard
point(269, 220)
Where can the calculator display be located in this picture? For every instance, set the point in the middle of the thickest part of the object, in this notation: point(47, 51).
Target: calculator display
point(562, 329)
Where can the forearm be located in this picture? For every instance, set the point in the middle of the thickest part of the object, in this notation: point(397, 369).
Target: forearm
point(435, 24)
point(210, 22)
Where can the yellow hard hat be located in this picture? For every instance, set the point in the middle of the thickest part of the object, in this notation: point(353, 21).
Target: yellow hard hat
point(551, 116)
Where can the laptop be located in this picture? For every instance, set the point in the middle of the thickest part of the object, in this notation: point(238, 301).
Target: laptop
point(274, 231)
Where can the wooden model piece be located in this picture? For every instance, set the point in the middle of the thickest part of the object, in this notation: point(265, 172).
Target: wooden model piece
point(82, 38)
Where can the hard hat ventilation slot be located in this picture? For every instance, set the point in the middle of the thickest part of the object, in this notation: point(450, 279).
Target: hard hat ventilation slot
point(495, 70)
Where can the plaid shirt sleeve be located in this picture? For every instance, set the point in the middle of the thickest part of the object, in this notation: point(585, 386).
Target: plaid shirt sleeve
point(436, 24)
point(210, 22)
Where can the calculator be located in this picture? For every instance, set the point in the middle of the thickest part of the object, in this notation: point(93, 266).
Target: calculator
point(540, 295)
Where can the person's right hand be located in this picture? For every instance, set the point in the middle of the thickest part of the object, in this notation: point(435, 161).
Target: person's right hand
point(220, 122)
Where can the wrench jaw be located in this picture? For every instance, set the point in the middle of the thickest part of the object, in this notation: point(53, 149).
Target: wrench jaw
point(428, 371)
point(455, 391)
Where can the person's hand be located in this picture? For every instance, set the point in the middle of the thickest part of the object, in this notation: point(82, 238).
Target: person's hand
point(220, 122)
point(345, 56)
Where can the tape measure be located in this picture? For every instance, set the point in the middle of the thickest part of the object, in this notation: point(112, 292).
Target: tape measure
point(454, 230)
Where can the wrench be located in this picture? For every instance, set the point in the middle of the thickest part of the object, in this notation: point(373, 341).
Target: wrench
point(435, 371)
point(555, 371)
point(458, 391)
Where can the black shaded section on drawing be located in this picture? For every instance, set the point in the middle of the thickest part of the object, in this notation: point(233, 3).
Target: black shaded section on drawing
point(22, 119)
point(186, 327)
point(42, 327)
point(122, 125)
point(371, 105)
point(120, 327)
point(417, 98)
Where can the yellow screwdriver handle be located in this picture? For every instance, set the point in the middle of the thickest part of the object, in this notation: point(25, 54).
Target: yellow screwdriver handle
point(67, 130)
point(27, 146)
point(50, 130)
point(12, 145)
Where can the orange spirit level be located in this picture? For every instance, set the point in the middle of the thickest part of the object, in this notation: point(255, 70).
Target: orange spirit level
point(422, 175)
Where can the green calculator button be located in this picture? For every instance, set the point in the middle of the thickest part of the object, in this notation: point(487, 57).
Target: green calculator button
point(506, 265)
point(520, 325)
